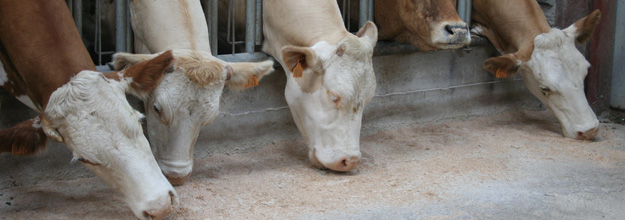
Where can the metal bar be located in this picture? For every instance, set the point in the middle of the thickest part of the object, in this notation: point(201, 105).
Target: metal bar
point(70, 5)
point(250, 33)
point(97, 42)
point(213, 24)
point(617, 93)
point(77, 12)
point(120, 25)
point(259, 22)
point(129, 33)
point(462, 11)
point(371, 11)
point(364, 12)
point(469, 7)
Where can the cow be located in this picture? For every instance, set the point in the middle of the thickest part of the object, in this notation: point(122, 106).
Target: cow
point(188, 98)
point(330, 76)
point(426, 24)
point(552, 68)
point(45, 65)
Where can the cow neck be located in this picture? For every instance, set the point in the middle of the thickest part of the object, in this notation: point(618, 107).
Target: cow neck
point(43, 45)
point(512, 25)
point(183, 28)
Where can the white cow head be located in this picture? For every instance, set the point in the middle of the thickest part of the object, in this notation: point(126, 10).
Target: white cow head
point(186, 101)
point(327, 96)
point(555, 75)
point(91, 115)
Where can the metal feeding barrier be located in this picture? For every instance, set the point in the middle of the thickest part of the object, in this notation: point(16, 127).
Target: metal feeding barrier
point(253, 25)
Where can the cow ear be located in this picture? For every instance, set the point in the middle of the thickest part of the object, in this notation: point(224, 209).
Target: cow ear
point(26, 138)
point(502, 66)
point(583, 28)
point(146, 75)
point(300, 59)
point(245, 75)
point(49, 130)
point(125, 60)
point(369, 32)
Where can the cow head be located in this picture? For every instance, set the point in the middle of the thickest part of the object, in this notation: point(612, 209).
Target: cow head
point(434, 24)
point(186, 101)
point(91, 115)
point(555, 75)
point(328, 87)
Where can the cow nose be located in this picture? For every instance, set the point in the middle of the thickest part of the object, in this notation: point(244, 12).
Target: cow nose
point(162, 211)
point(345, 164)
point(456, 30)
point(588, 135)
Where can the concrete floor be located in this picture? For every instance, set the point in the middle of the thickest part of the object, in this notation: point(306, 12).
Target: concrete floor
point(513, 165)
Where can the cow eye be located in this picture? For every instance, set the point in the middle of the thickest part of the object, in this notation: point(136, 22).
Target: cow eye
point(157, 109)
point(334, 97)
point(83, 160)
point(545, 90)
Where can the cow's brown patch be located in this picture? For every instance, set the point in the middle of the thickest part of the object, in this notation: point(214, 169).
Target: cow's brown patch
point(586, 26)
point(26, 138)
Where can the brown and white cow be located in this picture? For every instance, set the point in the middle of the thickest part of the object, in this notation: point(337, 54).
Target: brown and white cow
point(426, 24)
point(46, 64)
point(552, 68)
point(188, 98)
point(330, 76)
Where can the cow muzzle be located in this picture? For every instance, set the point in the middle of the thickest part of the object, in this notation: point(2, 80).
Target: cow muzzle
point(588, 134)
point(451, 35)
point(160, 207)
point(177, 172)
point(343, 164)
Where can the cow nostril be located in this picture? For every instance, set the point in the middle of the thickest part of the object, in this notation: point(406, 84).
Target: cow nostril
point(449, 29)
point(147, 215)
point(344, 162)
point(588, 135)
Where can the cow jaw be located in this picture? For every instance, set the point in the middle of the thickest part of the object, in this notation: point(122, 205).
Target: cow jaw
point(555, 75)
point(102, 130)
point(329, 117)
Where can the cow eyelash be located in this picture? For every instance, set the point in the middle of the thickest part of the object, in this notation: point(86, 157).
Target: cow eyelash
point(156, 109)
point(83, 160)
point(545, 90)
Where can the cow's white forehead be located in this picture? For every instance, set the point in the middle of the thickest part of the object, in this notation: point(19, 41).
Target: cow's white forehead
point(555, 59)
point(350, 74)
point(91, 107)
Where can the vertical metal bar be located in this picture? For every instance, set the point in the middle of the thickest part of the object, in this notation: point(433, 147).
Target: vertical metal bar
point(250, 16)
point(617, 93)
point(462, 9)
point(259, 22)
point(77, 12)
point(129, 33)
point(371, 11)
point(231, 29)
point(349, 15)
point(70, 4)
point(363, 15)
point(469, 7)
point(97, 47)
point(213, 24)
point(345, 12)
point(120, 25)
